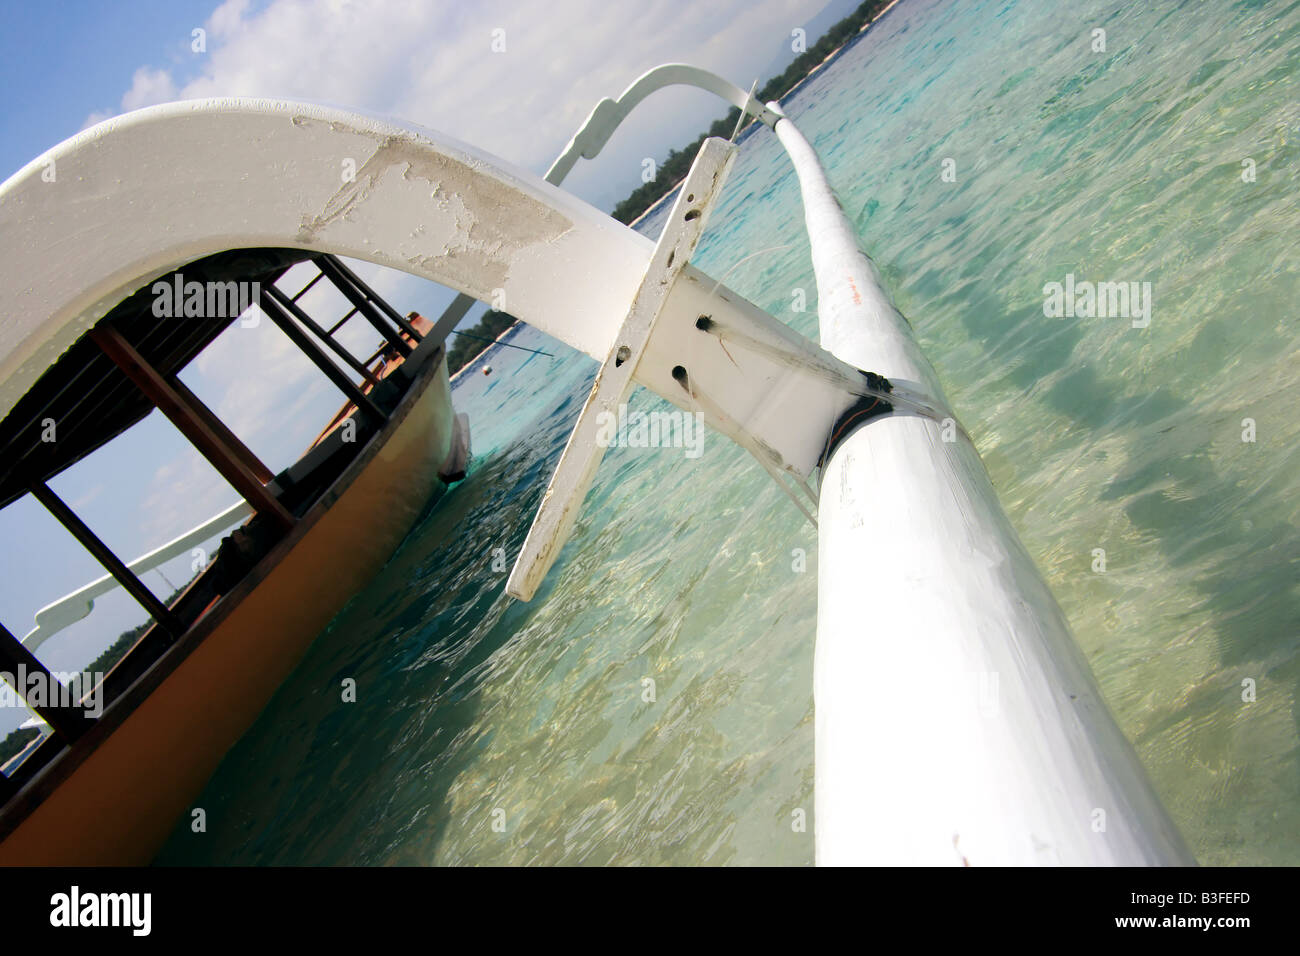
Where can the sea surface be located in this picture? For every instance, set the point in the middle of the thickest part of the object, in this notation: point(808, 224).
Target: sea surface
point(654, 704)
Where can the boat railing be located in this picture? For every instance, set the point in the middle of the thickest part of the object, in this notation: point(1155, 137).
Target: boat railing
point(77, 605)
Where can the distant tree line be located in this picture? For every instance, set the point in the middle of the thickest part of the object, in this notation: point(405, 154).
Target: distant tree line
point(117, 650)
point(472, 343)
point(16, 741)
point(106, 661)
point(674, 169)
point(19, 738)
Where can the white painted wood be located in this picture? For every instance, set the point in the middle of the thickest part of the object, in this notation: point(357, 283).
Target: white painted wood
point(141, 194)
point(595, 131)
point(582, 455)
point(144, 193)
point(956, 719)
point(777, 387)
point(608, 114)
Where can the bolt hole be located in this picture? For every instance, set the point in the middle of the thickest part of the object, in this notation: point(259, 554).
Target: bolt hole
point(693, 214)
point(671, 256)
point(679, 373)
point(622, 355)
point(703, 323)
point(691, 198)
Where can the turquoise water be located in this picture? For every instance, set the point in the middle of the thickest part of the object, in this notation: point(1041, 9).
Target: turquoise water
point(488, 731)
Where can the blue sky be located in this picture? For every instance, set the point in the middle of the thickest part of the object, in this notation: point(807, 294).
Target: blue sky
point(63, 61)
point(67, 65)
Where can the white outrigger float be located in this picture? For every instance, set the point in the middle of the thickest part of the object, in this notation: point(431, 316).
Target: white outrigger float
point(929, 606)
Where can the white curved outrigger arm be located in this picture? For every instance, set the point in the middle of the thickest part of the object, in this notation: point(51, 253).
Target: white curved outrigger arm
point(71, 608)
point(104, 213)
point(142, 194)
point(608, 114)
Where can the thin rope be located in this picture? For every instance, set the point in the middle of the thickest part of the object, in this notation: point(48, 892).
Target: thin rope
point(709, 409)
point(740, 262)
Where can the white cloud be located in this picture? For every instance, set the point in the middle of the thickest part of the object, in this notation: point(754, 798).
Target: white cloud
point(432, 64)
point(259, 384)
point(180, 495)
point(227, 19)
point(149, 87)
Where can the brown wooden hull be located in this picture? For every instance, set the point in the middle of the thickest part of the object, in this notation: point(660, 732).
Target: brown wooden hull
point(134, 779)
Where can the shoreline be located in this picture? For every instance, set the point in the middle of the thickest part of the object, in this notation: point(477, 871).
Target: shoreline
point(672, 191)
point(841, 48)
point(451, 379)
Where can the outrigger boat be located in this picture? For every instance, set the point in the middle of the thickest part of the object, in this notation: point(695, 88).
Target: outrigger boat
point(108, 789)
point(928, 604)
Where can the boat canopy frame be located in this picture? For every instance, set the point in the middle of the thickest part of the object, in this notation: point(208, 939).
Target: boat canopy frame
point(126, 366)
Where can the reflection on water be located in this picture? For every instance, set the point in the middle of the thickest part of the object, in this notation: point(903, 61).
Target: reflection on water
point(654, 703)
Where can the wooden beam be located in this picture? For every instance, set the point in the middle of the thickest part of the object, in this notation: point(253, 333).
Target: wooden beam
point(90, 541)
point(307, 288)
point(343, 281)
point(286, 324)
point(326, 338)
point(191, 424)
point(68, 722)
point(241, 451)
point(401, 321)
point(343, 321)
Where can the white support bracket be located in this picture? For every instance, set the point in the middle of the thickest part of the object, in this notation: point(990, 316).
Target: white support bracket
point(583, 453)
point(706, 350)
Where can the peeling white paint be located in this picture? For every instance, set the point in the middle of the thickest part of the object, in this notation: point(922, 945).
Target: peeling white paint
point(144, 193)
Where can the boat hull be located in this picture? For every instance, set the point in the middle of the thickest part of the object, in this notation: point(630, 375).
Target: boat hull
point(131, 784)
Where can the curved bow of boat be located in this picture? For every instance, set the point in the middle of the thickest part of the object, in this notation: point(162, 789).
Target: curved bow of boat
point(102, 214)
